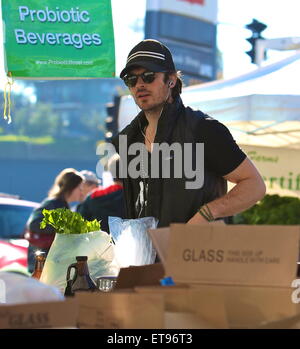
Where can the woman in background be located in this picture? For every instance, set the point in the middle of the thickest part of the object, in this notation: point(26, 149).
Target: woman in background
point(66, 189)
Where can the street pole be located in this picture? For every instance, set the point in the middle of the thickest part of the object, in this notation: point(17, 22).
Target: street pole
point(281, 44)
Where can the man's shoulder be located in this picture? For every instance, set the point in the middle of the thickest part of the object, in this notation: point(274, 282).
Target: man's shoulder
point(198, 119)
point(103, 193)
point(198, 115)
point(203, 125)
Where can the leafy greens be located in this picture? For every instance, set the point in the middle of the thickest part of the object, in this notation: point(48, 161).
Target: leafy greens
point(65, 221)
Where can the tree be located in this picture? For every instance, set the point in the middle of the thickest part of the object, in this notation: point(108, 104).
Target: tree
point(93, 124)
point(36, 121)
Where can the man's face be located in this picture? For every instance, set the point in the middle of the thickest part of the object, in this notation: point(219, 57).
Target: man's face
point(86, 188)
point(150, 96)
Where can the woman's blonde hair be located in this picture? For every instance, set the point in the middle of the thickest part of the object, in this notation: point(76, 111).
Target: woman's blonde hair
point(65, 182)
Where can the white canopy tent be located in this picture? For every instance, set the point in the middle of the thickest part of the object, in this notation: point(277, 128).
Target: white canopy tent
point(261, 107)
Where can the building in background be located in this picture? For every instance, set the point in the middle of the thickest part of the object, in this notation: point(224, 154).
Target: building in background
point(189, 29)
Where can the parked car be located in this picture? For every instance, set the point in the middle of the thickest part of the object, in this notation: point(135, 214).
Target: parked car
point(14, 213)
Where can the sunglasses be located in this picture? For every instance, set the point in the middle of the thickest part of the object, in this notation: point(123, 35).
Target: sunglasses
point(147, 77)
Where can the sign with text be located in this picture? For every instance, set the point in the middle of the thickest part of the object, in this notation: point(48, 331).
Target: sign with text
point(54, 39)
point(193, 60)
point(263, 255)
point(279, 168)
point(58, 314)
point(202, 9)
point(194, 48)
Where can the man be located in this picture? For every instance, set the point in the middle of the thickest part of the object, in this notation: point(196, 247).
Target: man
point(155, 85)
point(90, 182)
point(104, 202)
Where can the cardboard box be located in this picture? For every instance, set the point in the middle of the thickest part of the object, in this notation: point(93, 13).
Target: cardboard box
point(229, 255)
point(226, 277)
point(251, 266)
point(255, 307)
point(146, 275)
point(190, 308)
point(120, 310)
point(59, 314)
point(182, 306)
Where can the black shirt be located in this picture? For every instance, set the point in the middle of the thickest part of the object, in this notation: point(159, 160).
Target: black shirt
point(168, 199)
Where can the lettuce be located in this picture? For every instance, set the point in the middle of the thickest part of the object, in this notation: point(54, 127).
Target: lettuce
point(272, 209)
point(65, 221)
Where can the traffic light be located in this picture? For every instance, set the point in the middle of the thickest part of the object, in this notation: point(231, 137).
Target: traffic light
point(111, 121)
point(257, 28)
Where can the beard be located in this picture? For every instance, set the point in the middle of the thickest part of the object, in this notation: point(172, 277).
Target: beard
point(149, 104)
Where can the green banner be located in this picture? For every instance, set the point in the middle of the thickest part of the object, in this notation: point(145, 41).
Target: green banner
point(58, 39)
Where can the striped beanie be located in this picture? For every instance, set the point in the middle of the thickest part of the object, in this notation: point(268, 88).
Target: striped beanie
point(151, 55)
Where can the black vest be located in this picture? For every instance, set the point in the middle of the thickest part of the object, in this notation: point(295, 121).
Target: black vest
point(168, 199)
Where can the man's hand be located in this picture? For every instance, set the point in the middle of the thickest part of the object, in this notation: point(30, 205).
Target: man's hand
point(198, 219)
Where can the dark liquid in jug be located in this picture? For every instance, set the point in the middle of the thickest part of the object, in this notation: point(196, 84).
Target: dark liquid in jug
point(81, 280)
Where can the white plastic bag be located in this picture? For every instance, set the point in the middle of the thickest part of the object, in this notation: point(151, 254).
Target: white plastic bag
point(16, 288)
point(96, 245)
point(133, 245)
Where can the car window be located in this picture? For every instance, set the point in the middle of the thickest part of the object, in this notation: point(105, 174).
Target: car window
point(13, 220)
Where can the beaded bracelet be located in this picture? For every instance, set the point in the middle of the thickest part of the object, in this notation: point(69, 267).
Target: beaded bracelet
point(206, 213)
